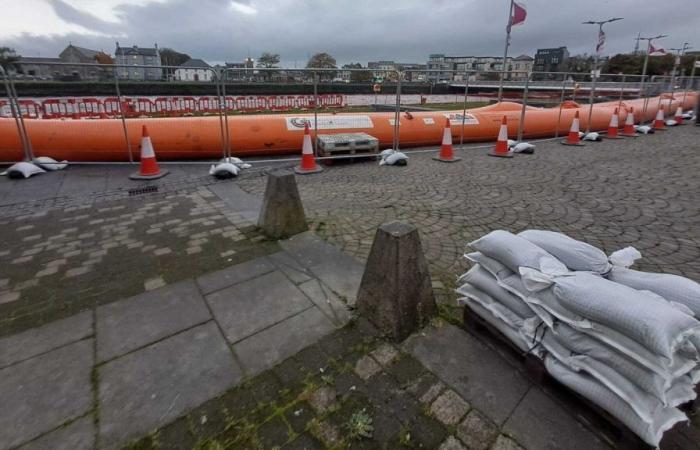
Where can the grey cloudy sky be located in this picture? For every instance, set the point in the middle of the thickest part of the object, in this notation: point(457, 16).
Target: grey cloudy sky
point(352, 30)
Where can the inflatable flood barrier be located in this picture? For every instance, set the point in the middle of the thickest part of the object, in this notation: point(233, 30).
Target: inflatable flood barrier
point(187, 138)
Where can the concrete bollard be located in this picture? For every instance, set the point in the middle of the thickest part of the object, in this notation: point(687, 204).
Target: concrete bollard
point(282, 213)
point(396, 293)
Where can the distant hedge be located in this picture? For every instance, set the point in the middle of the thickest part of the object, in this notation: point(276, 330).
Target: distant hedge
point(92, 88)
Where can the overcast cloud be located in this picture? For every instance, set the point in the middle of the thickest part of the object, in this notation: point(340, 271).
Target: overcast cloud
point(352, 30)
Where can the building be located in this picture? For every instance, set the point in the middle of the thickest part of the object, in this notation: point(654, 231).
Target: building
point(551, 59)
point(443, 68)
point(243, 71)
point(138, 56)
point(521, 66)
point(382, 70)
point(194, 70)
point(58, 69)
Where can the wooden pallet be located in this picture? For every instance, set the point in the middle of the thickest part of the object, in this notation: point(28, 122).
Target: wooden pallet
point(351, 144)
point(600, 420)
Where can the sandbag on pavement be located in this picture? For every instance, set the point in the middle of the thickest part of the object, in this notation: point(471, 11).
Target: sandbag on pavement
point(480, 278)
point(588, 387)
point(673, 288)
point(576, 255)
point(508, 331)
point(669, 391)
point(495, 268)
point(655, 324)
point(547, 300)
point(515, 252)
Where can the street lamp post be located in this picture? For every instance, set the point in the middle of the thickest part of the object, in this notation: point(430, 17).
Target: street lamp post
point(644, 68)
point(595, 65)
point(681, 52)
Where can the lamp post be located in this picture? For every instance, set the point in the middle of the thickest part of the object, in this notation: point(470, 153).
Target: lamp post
point(599, 48)
point(644, 68)
point(681, 52)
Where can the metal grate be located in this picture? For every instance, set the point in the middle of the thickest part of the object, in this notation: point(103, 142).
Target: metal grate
point(143, 190)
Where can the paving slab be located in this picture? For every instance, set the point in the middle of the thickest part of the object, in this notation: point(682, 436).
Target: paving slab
point(35, 341)
point(253, 305)
point(128, 324)
point(476, 372)
point(246, 205)
point(44, 392)
point(235, 274)
point(152, 386)
point(78, 435)
point(539, 422)
point(326, 301)
point(339, 271)
point(290, 267)
point(275, 344)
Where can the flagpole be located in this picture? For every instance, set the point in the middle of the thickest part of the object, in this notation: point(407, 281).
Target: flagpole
point(644, 70)
point(505, 52)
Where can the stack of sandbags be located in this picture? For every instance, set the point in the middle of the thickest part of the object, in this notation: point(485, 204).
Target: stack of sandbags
point(624, 339)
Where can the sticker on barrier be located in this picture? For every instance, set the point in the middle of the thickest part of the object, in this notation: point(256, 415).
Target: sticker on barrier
point(330, 123)
point(456, 119)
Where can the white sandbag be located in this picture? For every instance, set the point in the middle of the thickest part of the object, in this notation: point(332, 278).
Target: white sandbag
point(392, 158)
point(236, 161)
point(673, 288)
point(50, 164)
point(624, 257)
point(592, 136)
point(644, 129)
point(589, 388)
point(23, 170)
point(656, 325)
point(481, 279)
point(524, 148)
point(508, 331)
point(224, 170)
point(576, 255)
point(669, 391)
point(471, 294)
point(515, 252)
point(547, 300)
point(642, 403)
point(495, 268)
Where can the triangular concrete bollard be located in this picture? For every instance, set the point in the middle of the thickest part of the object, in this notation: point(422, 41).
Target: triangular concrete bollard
point(282, 213)
point(396, 293)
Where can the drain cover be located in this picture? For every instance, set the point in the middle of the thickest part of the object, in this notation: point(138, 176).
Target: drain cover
point(143, 190)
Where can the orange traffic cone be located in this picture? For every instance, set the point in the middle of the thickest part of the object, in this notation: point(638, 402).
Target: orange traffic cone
point(659, 121)
point(628, 130)
point(501, 150)
point(679, 116)
point(446, 151)
point(308, 161)
point(613, 127)
point(573, 137)
point(149, 165)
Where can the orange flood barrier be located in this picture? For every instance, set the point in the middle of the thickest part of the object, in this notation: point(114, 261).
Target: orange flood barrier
point(256, 135)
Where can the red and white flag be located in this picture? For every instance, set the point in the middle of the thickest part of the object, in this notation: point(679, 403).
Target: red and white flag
point(601, 43)
point(656, 51)
point(517, 15)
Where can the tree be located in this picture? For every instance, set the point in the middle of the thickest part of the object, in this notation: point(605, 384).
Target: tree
point(268, 60)
point(322, 61)
point(580, 63)
point(633, 64)
point(358, 76)
point(8, 58)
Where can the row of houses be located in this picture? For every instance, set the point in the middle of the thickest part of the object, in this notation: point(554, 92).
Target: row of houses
point(144, 64)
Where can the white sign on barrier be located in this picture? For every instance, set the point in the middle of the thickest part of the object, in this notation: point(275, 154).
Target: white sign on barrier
point(335, 122)
point(456, 119)
point(428, 121)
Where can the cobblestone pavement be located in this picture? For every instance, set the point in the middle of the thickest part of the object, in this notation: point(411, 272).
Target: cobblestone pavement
point(643, 192)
